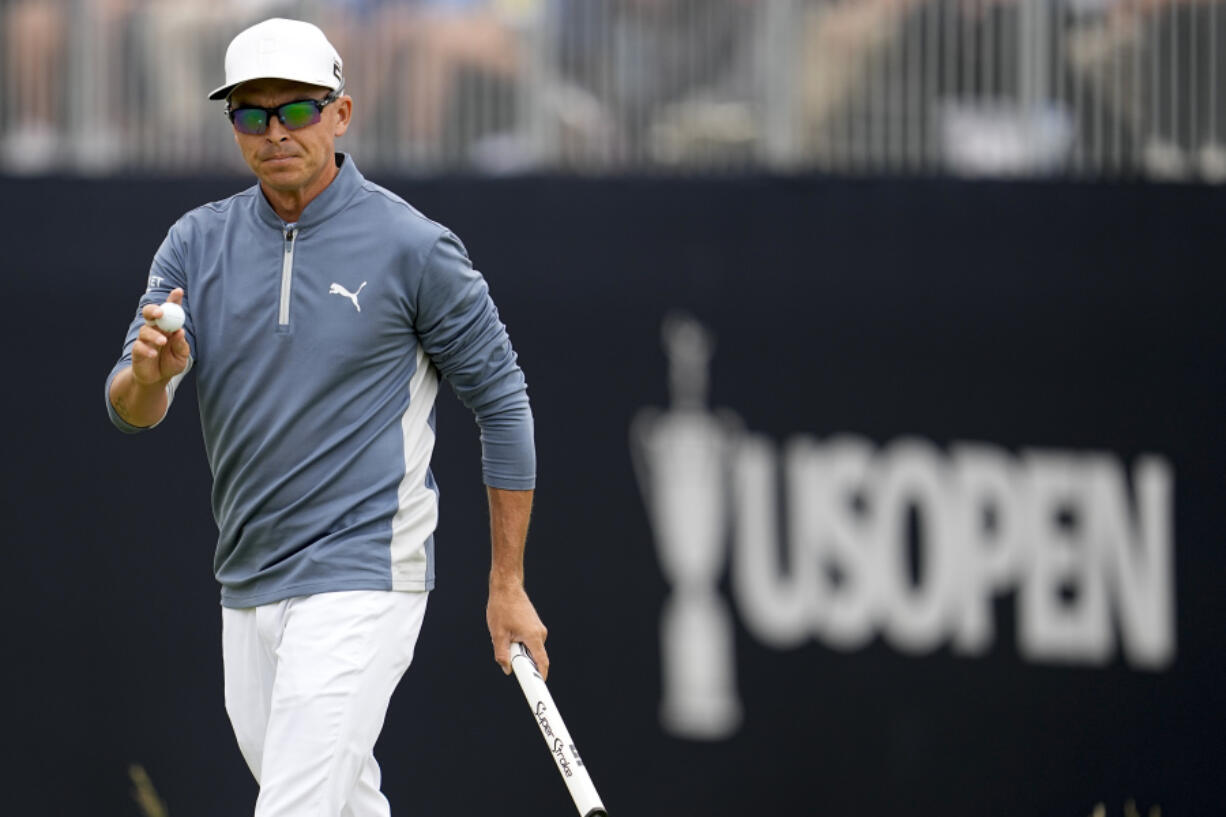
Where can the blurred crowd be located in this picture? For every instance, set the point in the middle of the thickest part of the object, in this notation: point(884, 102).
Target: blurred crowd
point(972, 86)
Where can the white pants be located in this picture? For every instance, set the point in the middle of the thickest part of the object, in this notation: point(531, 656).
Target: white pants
point(308, 681)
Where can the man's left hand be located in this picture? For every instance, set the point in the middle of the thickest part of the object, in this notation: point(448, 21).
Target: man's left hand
point(511, 617)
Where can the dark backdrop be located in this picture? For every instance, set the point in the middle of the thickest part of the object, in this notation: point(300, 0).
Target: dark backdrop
point(1086, 317)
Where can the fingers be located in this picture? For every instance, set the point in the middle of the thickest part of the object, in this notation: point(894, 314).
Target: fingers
point(502, 654)
point(179, 345)
point(157, 357)
point(511, 617)
point(151, 340)
point(533, 638)
point(151, 312)
point(536, 646)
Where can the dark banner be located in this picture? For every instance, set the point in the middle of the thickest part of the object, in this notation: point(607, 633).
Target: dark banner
point(855, 498)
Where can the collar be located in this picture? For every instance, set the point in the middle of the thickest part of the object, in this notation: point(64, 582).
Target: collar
point(330, 201)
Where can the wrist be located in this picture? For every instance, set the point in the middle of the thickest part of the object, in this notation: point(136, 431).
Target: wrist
point(139, 404)
point(145, 388)
point(506, 581)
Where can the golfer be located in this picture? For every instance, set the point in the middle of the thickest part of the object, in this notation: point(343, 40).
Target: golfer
point(321, 312)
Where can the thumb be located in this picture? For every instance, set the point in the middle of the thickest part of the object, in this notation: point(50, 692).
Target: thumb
point(176, 296)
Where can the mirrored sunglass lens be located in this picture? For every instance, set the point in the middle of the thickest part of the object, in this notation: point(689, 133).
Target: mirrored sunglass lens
point(299, 114)
point(250, 120)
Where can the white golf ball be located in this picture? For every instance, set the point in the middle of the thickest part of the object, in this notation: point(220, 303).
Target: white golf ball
point(172, 317)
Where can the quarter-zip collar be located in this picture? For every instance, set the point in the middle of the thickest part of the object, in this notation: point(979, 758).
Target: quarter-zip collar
point(330, 201)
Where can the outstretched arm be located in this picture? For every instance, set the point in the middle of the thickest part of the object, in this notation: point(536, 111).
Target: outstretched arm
point(509, 613)
point(138, 393)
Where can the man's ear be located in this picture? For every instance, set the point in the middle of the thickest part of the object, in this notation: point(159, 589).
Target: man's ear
point(344, 115)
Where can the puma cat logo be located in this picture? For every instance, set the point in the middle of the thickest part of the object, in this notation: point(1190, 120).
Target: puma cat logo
point(337, 289)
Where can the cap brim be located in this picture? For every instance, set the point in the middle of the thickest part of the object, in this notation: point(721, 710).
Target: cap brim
point(223, 91)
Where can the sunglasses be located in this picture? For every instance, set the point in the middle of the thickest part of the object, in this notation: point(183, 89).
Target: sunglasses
point(293, 115)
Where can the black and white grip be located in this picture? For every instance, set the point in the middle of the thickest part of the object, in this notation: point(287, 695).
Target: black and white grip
point(554, 731)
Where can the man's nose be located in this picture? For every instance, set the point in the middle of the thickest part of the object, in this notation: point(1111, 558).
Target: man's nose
point(276, 130)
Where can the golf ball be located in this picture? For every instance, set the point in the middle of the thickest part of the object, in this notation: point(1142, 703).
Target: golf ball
point(172, 317)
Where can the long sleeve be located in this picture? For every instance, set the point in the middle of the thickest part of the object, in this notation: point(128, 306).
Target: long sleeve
point(459, 328)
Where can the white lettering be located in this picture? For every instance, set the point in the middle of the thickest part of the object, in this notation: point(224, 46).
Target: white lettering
point(774, 602)
point(990, 542)
point(1063, 613)
point(912, 479)
point(846, 505)
point(920, 547)
point(1137, 556)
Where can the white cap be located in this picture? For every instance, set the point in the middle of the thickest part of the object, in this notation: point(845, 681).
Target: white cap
point(281, 49)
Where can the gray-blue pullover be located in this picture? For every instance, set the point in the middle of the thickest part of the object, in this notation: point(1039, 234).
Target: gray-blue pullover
point(317, 348)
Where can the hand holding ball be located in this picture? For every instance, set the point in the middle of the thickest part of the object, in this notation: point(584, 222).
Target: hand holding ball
point(172, 318)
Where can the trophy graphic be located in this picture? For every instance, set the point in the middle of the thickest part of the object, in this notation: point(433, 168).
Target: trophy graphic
point(680, 459)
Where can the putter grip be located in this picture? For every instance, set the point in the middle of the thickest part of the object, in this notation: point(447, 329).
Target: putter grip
point(557, 738)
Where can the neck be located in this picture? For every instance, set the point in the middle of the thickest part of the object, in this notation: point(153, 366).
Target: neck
point(289, 204)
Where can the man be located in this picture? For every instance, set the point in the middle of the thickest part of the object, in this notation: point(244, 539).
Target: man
point(321, 310)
